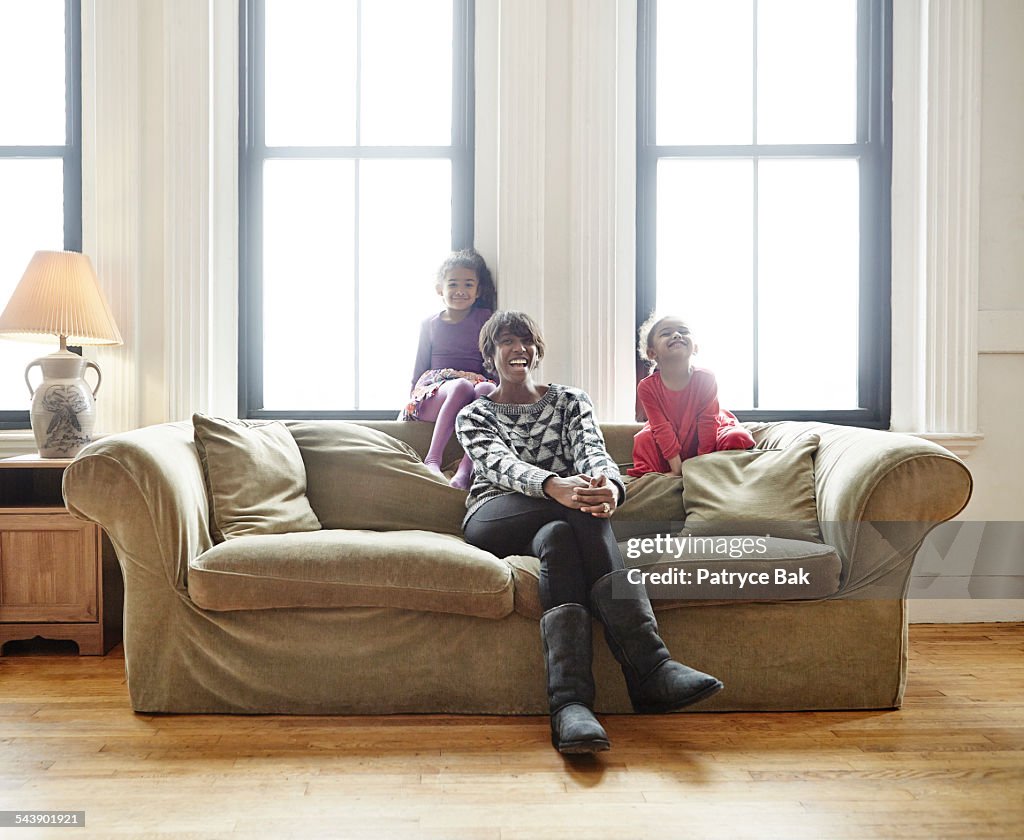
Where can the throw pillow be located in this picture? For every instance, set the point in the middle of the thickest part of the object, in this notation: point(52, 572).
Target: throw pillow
point(362, 478)
point(757, 491)
point(654, 504)
point(255, 478)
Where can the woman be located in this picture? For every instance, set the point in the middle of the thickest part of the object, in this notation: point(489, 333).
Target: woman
point(544, 485)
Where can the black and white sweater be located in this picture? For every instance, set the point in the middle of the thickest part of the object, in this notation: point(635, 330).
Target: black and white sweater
point(516, 448)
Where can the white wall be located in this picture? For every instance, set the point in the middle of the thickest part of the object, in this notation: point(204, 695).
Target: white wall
point(554, 210)
point(997, 463)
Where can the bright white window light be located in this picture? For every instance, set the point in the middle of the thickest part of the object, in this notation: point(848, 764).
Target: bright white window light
point(311, 72)
point(397, 289)
point(807, 71)
point(808, 273)
point(32, 219)
point(32, 113)
point(705, 72)
point(407, 72)
point(32, 73)
point(308, 283)
point(705, 253)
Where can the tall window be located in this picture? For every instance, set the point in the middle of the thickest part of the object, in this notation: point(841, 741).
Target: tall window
point(764, 157)
point(40, 161)
point(356, 181)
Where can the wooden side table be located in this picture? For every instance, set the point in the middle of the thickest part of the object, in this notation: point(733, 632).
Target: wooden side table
point(59, 577)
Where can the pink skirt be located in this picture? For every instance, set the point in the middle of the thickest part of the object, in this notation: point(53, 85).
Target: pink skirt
point(429, 383)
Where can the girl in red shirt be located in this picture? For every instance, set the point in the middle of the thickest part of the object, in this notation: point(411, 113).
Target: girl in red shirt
point(681, 403)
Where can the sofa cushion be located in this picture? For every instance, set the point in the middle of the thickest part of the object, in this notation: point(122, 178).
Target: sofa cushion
point(715, 575)
point(765, 491)
point(413, 570)
point(654, 501)
point(526, 571)
point(363, 478)
point(255, 479)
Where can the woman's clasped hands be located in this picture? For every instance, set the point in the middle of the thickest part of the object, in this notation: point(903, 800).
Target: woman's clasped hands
point(589, 494)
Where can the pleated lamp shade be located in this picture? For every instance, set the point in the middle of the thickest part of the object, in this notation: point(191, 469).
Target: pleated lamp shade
point(59, 295)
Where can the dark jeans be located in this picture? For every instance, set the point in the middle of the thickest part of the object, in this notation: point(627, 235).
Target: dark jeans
point(575, 549)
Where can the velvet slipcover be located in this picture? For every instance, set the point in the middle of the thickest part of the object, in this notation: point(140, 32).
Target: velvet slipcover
point(877, 494)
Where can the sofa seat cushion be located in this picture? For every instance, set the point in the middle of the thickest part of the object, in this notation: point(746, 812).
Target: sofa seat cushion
point(413, 570)
point(785, 570)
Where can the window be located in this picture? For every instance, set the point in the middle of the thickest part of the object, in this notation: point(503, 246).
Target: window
point(356, 180)
point(763, 177)
point(40, 162)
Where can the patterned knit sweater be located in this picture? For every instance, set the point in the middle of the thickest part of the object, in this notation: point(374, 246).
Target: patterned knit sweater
point(516, 448)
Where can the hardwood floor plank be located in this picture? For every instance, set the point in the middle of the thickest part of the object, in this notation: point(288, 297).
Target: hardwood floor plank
point(950, 764)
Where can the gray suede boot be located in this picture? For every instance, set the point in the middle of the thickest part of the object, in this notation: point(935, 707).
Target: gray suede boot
point(565, 631)
point(656, 682)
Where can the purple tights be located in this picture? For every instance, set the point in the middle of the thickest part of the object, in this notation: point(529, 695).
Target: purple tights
point(442, 407)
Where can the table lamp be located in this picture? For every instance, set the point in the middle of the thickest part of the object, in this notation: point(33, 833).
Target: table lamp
point(59, 295)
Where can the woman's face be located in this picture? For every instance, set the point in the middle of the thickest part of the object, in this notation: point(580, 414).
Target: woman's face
point(514, 357)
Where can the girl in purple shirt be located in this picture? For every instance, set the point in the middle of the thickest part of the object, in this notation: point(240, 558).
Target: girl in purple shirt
point(449, 372)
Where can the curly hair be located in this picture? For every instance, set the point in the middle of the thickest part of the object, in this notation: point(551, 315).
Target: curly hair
point(645, 335)
point(487, 295)
point(518, 323)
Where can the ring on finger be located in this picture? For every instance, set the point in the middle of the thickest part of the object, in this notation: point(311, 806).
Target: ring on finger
point(607, 507)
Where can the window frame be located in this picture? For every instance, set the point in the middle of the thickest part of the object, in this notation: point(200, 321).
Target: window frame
point(873, 148)
point(70, 153)
point(253, 152)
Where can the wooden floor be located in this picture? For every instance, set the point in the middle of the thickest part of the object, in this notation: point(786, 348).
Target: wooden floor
point(950, 764)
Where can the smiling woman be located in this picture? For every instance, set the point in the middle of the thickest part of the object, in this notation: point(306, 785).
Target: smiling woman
point(544, 485)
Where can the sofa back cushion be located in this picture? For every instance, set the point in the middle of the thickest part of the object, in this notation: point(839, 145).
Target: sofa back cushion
point(255, 480)
point(359, 477)
point(758, 491)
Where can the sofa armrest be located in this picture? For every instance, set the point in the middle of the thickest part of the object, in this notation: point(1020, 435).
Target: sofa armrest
point(878, 496)
point(145, 489)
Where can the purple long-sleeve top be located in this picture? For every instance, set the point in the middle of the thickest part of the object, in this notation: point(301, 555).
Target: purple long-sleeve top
point(456, 346)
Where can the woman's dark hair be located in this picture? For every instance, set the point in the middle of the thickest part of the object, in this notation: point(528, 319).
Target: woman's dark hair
point(518, 323)
point(487, 296)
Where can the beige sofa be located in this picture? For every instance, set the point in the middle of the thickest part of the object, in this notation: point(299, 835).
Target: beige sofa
point(353, 619)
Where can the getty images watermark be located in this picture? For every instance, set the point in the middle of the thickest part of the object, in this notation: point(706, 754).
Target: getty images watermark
point(666, 545)
point(825, 560)
point(729, 567)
